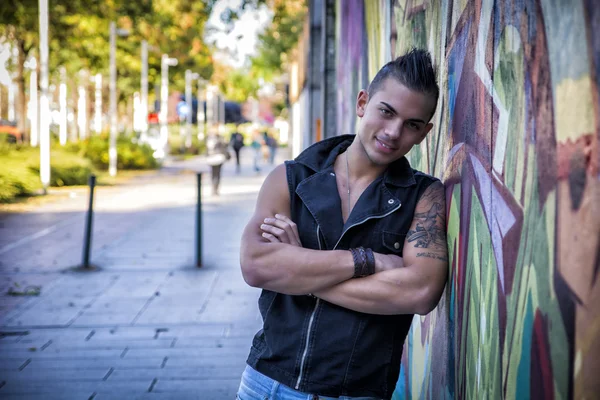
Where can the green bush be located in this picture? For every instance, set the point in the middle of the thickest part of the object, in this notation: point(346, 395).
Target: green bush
point(66, 171)
point(130, 155)
point(12, 186)
point(177, 145)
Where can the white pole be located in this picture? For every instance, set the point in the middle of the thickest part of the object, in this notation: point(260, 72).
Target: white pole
point(144, 91)
point(164, 100)
point(209, 106)
point(137, 115)
point(200, 110)
point(112, 151)
point(188, 100)
point(11, 100)
point(98, 104)
point(62, 101)
point(33, 105)
point(82, 108)
point(44, 104)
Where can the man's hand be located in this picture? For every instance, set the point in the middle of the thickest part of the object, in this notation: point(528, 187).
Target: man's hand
point(281, 229)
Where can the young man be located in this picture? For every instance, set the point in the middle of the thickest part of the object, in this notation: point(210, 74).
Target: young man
point(347, 243)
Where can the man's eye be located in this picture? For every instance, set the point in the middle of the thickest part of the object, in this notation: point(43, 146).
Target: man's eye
point(385, 112)
point(412, 125)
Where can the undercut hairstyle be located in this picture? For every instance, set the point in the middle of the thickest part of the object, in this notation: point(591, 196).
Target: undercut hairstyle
point(415, 70)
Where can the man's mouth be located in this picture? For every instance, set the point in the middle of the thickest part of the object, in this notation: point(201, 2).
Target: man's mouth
point(385, 145)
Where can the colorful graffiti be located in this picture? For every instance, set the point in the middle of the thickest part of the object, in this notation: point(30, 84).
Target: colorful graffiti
point(516, 141)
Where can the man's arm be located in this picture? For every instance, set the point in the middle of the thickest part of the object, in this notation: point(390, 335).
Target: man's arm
point(415, 288)
point(283, 267)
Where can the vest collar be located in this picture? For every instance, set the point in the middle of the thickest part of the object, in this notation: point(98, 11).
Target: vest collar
point(322, 155)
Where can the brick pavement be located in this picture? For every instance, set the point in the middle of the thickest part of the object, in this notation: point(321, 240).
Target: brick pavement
point(147, 324)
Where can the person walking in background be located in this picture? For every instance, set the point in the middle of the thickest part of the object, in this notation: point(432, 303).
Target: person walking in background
point(217, 154)
point(237, 142)
point(347, 242)
point(257, 144)
point(272, 144)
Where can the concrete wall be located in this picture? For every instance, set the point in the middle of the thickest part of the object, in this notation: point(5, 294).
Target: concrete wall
point(516, 143)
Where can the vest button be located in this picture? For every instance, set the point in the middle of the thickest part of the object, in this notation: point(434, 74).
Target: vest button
point(332, 174)
point(396, 245)
point(391, 201)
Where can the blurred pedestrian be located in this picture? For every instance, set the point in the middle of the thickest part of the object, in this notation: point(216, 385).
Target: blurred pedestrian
point(257, 144)
point(272, 145)
point(237, 142)
point(217, 154)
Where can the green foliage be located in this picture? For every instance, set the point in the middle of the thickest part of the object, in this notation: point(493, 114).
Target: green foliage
point(279, 38)
point(177, 145)
point(67, 171)
point(130, 155)
point(238, 85)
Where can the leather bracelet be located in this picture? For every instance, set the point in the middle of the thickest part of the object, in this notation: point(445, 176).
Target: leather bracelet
point(364, 262)
point(370, 261)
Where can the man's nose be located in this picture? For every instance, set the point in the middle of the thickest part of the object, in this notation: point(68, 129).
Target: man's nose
point(394, 130)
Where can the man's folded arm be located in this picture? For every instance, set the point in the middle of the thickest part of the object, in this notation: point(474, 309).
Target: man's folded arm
point(416, 286)
point(281, 267)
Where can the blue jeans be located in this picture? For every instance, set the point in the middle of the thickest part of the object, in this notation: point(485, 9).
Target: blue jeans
point(256, 386)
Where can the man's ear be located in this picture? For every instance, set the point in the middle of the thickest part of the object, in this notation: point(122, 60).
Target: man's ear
point(424, 132)
point(361, 103)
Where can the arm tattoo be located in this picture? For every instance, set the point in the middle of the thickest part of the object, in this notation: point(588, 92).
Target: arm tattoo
point(430, 226)
point(433, 255)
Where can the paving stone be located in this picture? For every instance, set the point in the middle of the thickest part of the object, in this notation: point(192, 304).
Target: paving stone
point(115, 344)
point(66, 354)
point(229, 360)
point(169, 315)
point(213, 389)
point(83, 395)
point(95, 363)
point(202, 372)
point(11, 363)
point(56, 374)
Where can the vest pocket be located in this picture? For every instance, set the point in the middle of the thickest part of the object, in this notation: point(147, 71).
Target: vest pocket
point(394, 242)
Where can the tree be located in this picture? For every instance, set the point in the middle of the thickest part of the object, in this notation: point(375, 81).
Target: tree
point(79, 38)
point(279, 38)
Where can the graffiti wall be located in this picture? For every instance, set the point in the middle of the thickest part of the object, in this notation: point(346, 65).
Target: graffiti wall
point(516, 142)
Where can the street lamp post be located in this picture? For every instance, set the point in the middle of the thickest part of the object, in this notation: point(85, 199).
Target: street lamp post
point(189, 76)
point(82, 123)
point(144, 90)
point(112, 151)
point(98, 104)
point(44, 104)
point(62, 101)
point(200, 118)
point(33, 104)
point(164, 100)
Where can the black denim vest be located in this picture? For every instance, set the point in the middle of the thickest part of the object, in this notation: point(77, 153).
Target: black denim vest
point(315, 346)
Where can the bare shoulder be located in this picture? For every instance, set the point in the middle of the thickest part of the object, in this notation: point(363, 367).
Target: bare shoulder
point(273, 198)
point(274, 195)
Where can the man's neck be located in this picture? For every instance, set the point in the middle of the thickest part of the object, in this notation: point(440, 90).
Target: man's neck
point(361, 168)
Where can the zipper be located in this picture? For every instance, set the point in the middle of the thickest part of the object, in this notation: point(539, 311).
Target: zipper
point(365, 220)
point(312, 316)
point(319, 237)
point(310, 322)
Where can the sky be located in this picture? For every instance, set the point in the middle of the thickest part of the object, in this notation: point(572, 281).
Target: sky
point(241, 42)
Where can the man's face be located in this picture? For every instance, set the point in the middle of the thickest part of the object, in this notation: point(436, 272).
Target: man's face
point(393, 120)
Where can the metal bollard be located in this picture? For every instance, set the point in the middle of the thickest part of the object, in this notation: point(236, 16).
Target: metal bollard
point(199, 221)
point(88, 224)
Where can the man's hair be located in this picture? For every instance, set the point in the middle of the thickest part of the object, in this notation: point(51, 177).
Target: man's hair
point(414, 70)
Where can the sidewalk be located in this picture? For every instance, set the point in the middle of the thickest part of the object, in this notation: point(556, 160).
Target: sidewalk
point(147, 324)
